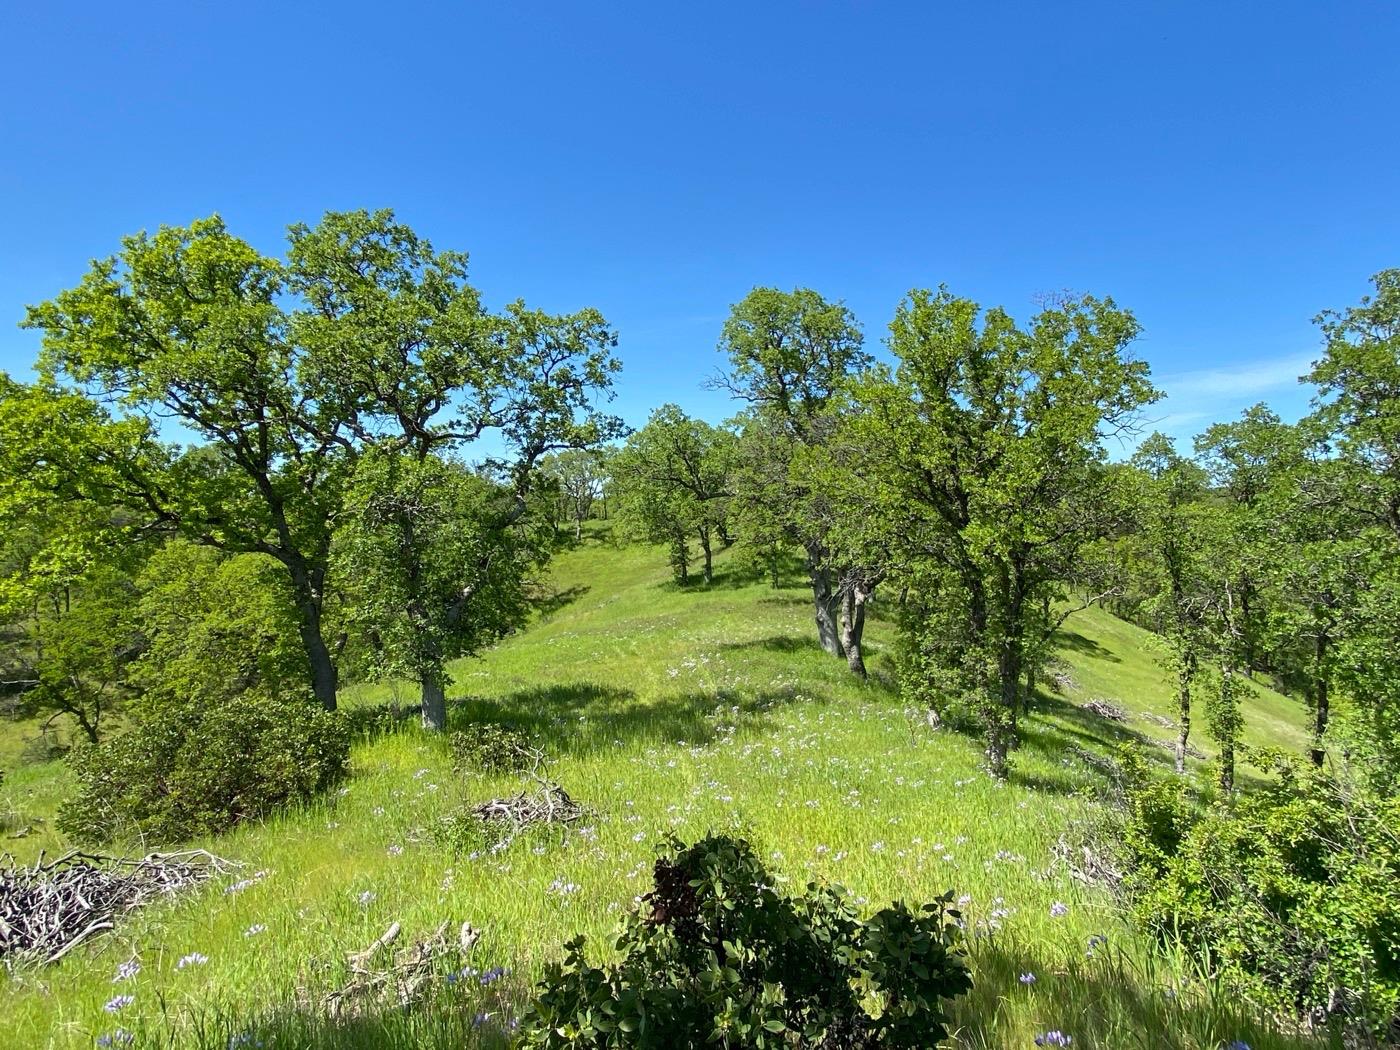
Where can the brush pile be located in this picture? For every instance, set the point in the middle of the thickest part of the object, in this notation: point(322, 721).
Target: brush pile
point(545, 803)
point(49, 909)
point(1105, 709)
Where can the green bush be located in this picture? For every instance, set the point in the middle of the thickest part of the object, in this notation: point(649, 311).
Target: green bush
point(489, 747)
point(1290, 896)
point(720, 958)
point(191, 770)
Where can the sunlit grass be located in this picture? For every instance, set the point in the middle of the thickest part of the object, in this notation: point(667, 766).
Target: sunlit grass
point(665, 710)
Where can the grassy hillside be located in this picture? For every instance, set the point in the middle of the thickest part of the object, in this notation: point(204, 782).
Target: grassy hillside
point(665, 710)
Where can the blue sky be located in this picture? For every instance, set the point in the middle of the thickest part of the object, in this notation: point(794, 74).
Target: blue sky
point(1224, 169)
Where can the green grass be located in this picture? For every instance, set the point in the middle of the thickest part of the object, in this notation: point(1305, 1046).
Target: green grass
point(664, 710)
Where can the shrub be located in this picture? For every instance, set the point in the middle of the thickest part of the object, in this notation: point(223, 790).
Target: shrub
point(720, 958)
point(1290, 895)
point(489, 747)
point(191, 770)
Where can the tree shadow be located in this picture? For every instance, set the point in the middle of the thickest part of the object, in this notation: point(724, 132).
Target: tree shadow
point(583, 717)
point(1081, 644)
point(552, 603)
point(776, 643)
point(1098, 994)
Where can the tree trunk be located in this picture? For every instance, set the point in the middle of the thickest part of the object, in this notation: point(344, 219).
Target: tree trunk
point(853, 599)
point(1183, 708)
point(434, 705)
point(88, 726)
point(1009, 671)
point(1321, 700)
point(680, 559)
point(709, 554)
point(578, 529)
point(1227, 744)
point(318, 654)
point(828, 605)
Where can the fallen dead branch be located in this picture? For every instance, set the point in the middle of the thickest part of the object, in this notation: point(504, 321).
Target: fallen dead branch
point(1105, 709)
point(49, 909)
point(381, 977)
point(1085, 864)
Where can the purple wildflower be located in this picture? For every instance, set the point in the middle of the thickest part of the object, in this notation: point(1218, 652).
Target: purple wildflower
point(1028, 978)
point(1054, 1037)
point(119, 1002)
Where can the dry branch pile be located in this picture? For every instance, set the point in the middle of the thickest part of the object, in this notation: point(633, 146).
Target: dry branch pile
point(381, 977)
point(1105, 709)
point(49, 909)
point(546, 803)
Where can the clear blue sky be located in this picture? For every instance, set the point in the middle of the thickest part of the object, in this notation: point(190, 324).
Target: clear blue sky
point(1224, 169)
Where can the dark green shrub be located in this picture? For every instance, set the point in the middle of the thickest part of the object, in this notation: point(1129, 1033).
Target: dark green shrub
point(489, 747)
point(719, 958)
point(191, 770)
point(1291, 895)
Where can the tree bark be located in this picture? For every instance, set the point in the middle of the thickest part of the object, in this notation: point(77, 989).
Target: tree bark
point(852, 627)
point(1183, 707)
point(1227, 745)
point(1321, 699)
point(709, 554)
point(434, 705)
point(828, 605)
point(318, 654)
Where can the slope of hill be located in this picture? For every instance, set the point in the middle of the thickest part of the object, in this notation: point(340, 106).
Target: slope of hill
point(664, 710)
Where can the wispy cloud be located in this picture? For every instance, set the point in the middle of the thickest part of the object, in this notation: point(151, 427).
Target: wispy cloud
point(1244, 379)
point(1196, 398)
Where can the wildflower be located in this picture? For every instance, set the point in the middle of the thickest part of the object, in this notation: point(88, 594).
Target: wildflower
point(1098, 940)
point(1028, 978)
point(243, 1039)
point(121, 1037)
point(1237, 1044)
point(366, 898)
point(127, 970)
point(1058, 910)
point(1054, 1037)
point(193, 959)
point(563, 889)
point(254, 930)
point(395, 850)
point(492, 975)
point(119, 1002)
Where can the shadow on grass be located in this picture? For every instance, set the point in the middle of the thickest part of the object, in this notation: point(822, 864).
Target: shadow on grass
point(775, 643)
point(1101, 996)
point(583, 717)
point(1081, 644)
point(552, 603)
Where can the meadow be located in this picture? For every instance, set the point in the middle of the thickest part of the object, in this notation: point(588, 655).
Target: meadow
point(664, 710)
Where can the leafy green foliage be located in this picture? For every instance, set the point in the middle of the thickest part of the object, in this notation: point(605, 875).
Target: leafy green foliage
point(672, 480)
point(722, 959)
point(216, 626)
point(490, 748)
point(985, 467)
point(435, 566)
point(1290, 894)
point(287, 371)
point(193, 769)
